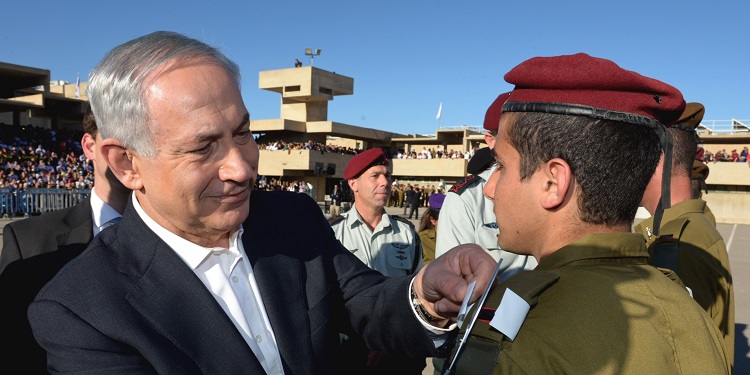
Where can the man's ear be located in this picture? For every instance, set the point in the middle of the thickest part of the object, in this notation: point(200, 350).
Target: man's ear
point(121, 163)
point(88, 143)
point(352, 184)
point(558, 183)
point(489, 139)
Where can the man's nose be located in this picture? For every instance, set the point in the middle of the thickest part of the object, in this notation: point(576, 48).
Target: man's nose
point(235, 166)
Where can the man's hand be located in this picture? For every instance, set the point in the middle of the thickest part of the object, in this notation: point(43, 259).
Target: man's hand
point(442, 285)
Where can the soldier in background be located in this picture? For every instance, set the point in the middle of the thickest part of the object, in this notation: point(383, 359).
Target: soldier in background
point(467, 214)
point(428, 227)
point(386, 243)
point(688, 242)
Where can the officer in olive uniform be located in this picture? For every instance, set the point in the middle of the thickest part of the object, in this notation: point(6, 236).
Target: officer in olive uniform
point(688, 242)
point(386, 243)
point(467, 213)
point(593, 304)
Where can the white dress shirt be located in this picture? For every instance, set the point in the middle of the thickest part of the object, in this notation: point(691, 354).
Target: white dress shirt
point(227, 274)
point(101, 212)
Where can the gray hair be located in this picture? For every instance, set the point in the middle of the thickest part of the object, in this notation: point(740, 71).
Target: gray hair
point(116, 85)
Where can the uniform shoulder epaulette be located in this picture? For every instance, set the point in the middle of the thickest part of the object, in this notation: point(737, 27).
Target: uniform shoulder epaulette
point(404, 220)
point(461, 185)
point(335, 219)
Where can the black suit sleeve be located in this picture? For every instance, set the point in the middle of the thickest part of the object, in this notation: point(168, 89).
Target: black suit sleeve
point(378, 307)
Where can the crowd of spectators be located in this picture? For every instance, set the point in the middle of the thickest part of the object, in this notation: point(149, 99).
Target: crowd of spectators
point(309, 145)
point(432, 153)
point(724, 156)
point(263, 183)
point(35, 157)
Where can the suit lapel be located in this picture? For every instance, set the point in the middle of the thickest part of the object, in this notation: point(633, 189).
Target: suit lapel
point(175, 301)
point(279, 280)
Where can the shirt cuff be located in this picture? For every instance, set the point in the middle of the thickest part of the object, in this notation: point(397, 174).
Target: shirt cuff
point(436, 334)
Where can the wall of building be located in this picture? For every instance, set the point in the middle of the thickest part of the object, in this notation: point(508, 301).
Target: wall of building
point(728, 173)
point(447, 169)
point(7, 118)
point(729, 207)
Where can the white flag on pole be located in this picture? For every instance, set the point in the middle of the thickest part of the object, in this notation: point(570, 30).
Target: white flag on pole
point(78, 85)
point(440, 111)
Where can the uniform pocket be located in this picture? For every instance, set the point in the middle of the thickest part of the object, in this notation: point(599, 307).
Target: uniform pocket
point(400, 256)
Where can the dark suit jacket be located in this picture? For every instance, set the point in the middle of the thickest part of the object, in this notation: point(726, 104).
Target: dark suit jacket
point(34, 250)
point(129, 304)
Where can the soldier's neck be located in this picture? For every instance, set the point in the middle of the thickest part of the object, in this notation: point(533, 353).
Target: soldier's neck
point(370, 215)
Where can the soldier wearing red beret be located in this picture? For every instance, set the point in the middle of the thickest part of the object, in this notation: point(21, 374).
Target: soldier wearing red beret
point(688, 242)
point(593, 304)
point(386, 243)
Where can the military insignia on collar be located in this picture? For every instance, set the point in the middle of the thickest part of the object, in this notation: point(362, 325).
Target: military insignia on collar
point(400, 245)
point(491, 225)
point(648, 232)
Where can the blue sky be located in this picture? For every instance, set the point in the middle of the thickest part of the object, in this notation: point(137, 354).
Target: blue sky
point(408, 56)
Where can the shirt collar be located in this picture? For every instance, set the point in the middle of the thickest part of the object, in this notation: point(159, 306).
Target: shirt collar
point(193, 254)
point(101, 211)
point(355, 219)
point(485, 175)
point(626, 247)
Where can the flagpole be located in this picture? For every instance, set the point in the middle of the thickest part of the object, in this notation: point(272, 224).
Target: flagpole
point(439, 114)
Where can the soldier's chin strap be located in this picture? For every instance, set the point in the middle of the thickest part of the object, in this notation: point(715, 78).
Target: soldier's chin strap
point(665, 201)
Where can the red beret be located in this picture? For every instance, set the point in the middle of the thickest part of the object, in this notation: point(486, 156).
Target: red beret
point(492, 117)
point(364, 160)
point(583, 85)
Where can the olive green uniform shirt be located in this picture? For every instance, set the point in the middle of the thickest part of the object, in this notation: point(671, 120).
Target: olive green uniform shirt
point(393, 247)
point(702, 259)
point(608, 313)
point(428, 245)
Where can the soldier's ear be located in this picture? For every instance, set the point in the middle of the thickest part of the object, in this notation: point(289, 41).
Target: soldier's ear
point(557, 183)
point(352, 184)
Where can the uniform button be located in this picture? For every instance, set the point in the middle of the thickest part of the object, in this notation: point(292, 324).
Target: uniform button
point(259, 338)
point(235, 279)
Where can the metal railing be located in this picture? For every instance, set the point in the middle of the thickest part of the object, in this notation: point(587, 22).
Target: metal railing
point(29, 202)
point(726, 127)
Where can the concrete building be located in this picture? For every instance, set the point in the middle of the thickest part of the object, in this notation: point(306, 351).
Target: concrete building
point(305, 93)
point(29, 97)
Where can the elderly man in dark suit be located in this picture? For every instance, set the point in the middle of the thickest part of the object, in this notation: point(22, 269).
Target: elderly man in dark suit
point(35, 249)
point(200, 276)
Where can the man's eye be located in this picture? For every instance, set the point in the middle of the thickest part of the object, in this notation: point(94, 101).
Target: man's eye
point(203, 150)
point(244, 136)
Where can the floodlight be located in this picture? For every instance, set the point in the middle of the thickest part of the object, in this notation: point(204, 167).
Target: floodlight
point(309, 52)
